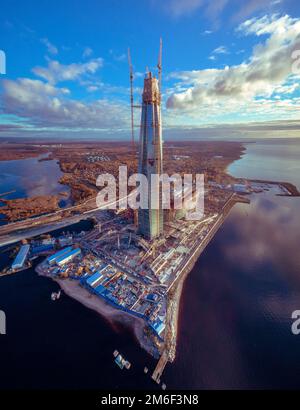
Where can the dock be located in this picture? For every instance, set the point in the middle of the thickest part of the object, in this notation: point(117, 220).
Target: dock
point(158, 371)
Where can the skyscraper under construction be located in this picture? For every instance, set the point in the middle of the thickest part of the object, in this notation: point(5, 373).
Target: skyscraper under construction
point(150, 220)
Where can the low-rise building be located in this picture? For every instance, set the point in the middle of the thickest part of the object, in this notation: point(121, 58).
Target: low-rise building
point(67, 257)
point(52, 259)
point(20, 259)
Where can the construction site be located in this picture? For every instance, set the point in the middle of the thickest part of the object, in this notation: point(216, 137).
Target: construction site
point(136, 260)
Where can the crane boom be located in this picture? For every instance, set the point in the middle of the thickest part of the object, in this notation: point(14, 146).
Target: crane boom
point(159, 64)
point(131, 96)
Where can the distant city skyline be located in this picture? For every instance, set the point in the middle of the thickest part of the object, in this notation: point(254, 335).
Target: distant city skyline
point(227, 67)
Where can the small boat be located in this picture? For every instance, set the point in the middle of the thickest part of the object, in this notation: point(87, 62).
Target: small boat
point(55, 295)
point(120, 361)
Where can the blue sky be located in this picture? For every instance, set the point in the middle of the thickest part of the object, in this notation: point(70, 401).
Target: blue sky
point(228, 66)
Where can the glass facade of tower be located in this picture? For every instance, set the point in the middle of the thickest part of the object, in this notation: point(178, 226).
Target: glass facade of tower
point(150, 221)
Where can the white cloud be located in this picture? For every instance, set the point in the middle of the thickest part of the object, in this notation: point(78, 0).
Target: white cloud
point(214, 9)
point(92, 88)
point(43, 105)
point(52, 49)
point(245, 85)
point(182, 7)
point(56, 72)
point(87, 52)
point(220, 50)
point(118, 57)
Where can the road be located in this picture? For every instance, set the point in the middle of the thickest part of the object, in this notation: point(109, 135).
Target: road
point(16, 231)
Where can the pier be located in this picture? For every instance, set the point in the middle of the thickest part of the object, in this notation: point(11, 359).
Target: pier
point(158, 371)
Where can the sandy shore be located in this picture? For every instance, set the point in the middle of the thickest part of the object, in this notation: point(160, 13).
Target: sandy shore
point(113, 315)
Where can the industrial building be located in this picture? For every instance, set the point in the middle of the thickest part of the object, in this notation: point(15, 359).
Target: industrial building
point(20, 259)
point(94, 279)
point(68, 256)
point(150, 220)
point(52, 259)
point(42, 248)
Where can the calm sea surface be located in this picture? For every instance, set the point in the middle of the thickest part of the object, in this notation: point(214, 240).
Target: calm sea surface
point(30, 177)
point(235, 317)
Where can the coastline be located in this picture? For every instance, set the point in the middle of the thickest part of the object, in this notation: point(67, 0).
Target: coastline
point(112, 315)
point(177, 288)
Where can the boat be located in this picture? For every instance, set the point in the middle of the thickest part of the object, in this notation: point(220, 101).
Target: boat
point(55, 295)
point(121, 361)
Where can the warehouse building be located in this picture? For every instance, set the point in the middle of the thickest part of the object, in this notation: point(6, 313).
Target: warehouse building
point(20, 259)
point(68, 256)
point(94, 279)
point(52, 259)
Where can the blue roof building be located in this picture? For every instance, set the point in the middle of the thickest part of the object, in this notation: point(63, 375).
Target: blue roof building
point(68, 256)
point(20, 259)
point(94, 279)
point(52, 259)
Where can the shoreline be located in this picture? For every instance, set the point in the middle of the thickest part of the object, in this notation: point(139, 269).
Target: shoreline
point(112, 315)
point(175, 298)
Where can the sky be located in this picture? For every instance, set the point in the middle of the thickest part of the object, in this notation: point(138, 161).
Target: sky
point(231, 68)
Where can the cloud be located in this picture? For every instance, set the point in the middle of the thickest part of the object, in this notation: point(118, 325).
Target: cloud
point(217, 51)
point(253, 6)
point(56, 72)
point(45, 106)
point(179, 8)
point(87, 52)
point(92, 88)
point(118, 57)
point(250, 83)
point(214, 9)
point(50, 47)
point(241, 131)
point(220, 50)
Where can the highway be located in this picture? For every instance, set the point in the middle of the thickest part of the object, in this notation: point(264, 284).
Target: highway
point(16, 231)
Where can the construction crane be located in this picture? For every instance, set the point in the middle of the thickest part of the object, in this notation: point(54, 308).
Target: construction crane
point(132, 106)
point(131, 95)
point(159, 64)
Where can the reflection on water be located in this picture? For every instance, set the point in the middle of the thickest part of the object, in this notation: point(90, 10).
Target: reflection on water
point(30, 177)
point(235, 319)
point(235, 325)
